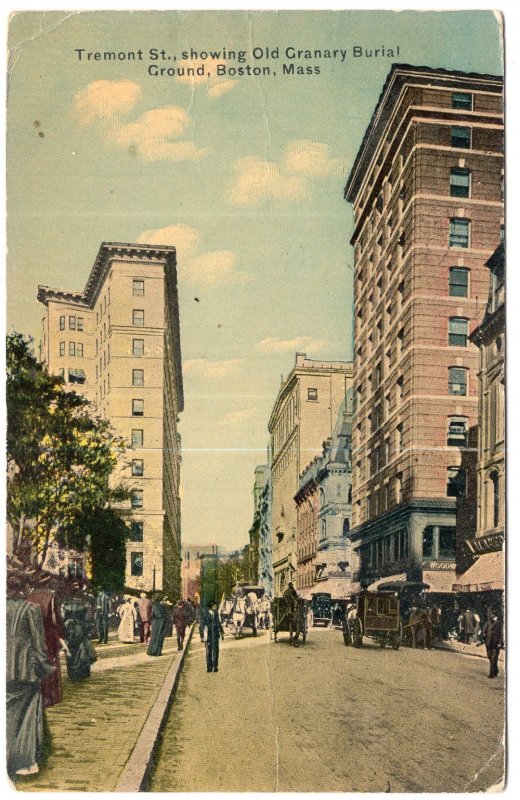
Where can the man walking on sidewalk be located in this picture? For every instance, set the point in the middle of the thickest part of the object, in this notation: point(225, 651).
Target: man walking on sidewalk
point(210, 632)
point(180, 622)
point(145, 612)
point(494, 640)
point(103, 603)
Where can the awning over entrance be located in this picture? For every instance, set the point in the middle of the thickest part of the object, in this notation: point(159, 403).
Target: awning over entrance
point(338, 588)
point(400, 578)
point(440, 581)
point(485, 575)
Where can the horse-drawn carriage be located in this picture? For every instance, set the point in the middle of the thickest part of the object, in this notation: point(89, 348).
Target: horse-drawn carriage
point(374, 614)
point(419, 621)
point(321, 609)
point(245, 608)
point(290, 614)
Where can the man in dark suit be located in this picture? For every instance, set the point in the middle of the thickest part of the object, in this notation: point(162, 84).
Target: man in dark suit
point(103, 603)
point(210, 632)
point(493, 634)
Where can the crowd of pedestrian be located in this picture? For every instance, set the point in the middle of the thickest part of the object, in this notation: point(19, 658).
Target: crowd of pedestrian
point(47, 616)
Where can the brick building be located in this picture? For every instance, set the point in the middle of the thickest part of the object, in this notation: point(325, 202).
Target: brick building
point(118, 343)
point(303, 417)
point(426, 186)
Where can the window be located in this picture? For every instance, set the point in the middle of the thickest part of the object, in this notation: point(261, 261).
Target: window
point(312, 394)
point(79, 350)
point(447, 542)
point(376, 377)
point(138, 377)
point(62, 348)
point(457, 380)
point(458, 331)
point(138, 347)
point(136, 531)
point(460, 182)
point(458, 282)
point(136, 564)
point(137, 467)
point(137, 408)
point(138, 288)
point(137, 498)
point(62, 323)
point(428, 542)
point(61, 373)
point(72, 323)
point(72, 348)
point(399, 438)
point(495, 480)
point(138, 317)
point(400, 387)
point(456, 486)
point(460, 137)
point(80, 323)
point(462, 100)
point(137, 437)
point(77, 376)
point(457, 432)
point(459, 232)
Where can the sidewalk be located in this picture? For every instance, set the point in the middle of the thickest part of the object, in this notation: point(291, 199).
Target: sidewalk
point(95, 728)
point(465, 649)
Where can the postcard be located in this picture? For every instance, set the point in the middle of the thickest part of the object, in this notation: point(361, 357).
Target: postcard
point(255, 401)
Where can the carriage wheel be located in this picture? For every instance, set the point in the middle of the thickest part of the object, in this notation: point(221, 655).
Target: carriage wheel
point(347, 638)
point(357, 633)
point(396, 637)
point(382, 641)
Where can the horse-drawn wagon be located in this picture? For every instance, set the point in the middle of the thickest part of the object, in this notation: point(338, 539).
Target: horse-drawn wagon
point(419, 621)
point(321, 609)
point(245, 608)
point(376, 615)
point(290, 615)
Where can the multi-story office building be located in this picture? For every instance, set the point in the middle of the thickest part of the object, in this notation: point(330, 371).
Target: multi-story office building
point(426, 186)
point(487, 573)
point(303, 417)
point(118, 343)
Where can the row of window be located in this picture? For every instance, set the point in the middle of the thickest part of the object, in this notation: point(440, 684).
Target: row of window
point(75, 323)
point(75, 349)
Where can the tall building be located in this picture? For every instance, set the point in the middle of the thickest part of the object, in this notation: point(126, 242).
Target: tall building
point(487, 574)
point(426, 186)
point(303, 417)
point(118, 343)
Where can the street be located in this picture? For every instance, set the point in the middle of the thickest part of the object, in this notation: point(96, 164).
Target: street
point(325, 717)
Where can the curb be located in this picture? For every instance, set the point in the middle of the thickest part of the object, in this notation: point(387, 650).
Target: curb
point(480, 653)
point(138, 769)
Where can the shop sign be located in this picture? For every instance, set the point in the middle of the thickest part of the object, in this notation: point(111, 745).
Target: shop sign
point(486, 544)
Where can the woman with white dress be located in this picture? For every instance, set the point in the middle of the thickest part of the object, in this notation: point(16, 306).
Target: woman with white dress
point(127, 615)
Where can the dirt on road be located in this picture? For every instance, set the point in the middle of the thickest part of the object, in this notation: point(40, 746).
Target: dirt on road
point(325, 718)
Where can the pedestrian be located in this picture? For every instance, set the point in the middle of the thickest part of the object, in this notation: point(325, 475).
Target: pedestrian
point(127, 615)
point(160, 614)
point(211, 631)
point(469, 625)
point(189, 612)
point(27, 664)
point(493, 634)
point(103, 602)
point(145, 612)
point(180, 622)
point(51, 686)
point(76, 628)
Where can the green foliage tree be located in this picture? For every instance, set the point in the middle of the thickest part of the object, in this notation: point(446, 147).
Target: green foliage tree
point(60, 457)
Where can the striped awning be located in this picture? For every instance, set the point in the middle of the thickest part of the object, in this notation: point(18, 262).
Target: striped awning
point(338, 588)
point(440, 581)
point(487, 574)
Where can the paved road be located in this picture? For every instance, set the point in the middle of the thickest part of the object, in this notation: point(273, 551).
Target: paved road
point(329, 718)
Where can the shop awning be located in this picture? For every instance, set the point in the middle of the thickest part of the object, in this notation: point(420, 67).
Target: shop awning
point(485, 575)
point(400, 578)
point(440, 581)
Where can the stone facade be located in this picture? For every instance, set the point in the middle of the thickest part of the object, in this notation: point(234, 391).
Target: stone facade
point(118, 344)
point(303, 417)
point(426, 187)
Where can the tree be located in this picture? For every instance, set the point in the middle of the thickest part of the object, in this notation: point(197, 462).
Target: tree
point(60, 455)
point(107, 534)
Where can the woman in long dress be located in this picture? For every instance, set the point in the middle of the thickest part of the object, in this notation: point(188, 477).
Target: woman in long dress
point(127, 615)
point(76, 627)
point(53, 627)
point(160, 619)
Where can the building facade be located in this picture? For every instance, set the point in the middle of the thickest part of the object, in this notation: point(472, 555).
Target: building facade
point(426, 187)
point(265, 543)
point(303, 417)
point(487, 572)
point(118, 343)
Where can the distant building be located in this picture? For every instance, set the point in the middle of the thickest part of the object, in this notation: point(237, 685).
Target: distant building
point(326, 561)
point(487, 573)
point(303, 417)
point(253, 555)
point(192, 555)
point(265, 543)
point(426, 186)
point(118, 343)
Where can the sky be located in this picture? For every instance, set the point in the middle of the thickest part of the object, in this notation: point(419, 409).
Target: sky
point(243, 174)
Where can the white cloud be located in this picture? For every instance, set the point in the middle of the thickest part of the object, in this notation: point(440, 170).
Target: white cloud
point(206, 268)
point(205, 368)
point(275, 345)
point(213, 85)
point(160, 134)
point(303, 161)
point(105, 99)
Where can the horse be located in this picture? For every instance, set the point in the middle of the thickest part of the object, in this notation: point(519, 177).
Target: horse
point(238, 615)
point(421, 626)
point(264, 613)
